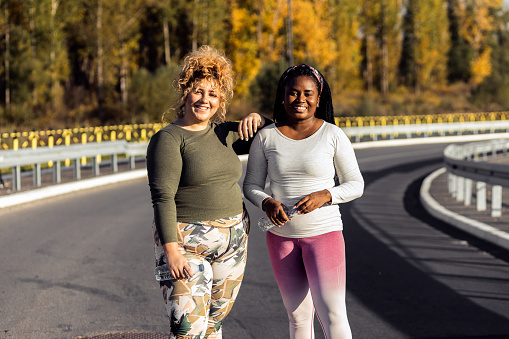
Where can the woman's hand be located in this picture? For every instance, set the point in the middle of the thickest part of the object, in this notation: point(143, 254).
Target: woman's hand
point(275, 212)
point(177, 263)
point(312, 201)
point(249, 125)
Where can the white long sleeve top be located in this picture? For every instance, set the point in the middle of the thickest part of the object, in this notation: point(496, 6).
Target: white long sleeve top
point(297, 168)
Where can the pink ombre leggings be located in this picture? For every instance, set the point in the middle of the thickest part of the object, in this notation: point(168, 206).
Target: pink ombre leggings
point(311, 274)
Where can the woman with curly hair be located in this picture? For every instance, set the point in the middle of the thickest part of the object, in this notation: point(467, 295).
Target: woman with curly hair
point(199, 215)
point(303, 153)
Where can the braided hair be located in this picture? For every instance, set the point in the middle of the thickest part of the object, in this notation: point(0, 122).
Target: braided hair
point(324, 111)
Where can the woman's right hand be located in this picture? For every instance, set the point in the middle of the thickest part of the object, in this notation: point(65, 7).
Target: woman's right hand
point(177, 263)
point(275, 212)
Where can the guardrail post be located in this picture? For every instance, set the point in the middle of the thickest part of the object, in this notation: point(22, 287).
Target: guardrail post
point(77, 169)
point(460, 188)
point(96, 163)
point(37, 175)
point(468, 192)
point(451, 183)
point(114, 163)
point(481, 196)
point(16, 178)
point(132, 161)
point(496, 201)
point(57, 172)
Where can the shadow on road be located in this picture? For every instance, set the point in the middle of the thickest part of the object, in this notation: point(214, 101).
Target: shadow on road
point(398, 286)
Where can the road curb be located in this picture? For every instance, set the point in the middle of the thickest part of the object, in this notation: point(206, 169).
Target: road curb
point(51, 191)
point(474, 227)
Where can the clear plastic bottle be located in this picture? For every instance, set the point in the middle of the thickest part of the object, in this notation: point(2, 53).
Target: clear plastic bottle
point(265, 224)
point(163, 273)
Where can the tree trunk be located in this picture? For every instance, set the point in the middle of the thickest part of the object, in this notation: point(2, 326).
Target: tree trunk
point(7, 59)
point(274, 23)
point(369, 63)
point(123, 76)
point(54, 7)
point(195, 26)
point(32, 49)
point(100, 75)
point(166, 31)
point(385, 57)
point(417, 85)
point(290, 33)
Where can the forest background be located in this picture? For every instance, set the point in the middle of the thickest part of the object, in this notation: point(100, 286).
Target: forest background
point(75, 63)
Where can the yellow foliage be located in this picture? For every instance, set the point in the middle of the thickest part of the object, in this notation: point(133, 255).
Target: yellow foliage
point(312, 33)
point(432, 42)
point(244, 47)
point(481, 66)
point(476, 24)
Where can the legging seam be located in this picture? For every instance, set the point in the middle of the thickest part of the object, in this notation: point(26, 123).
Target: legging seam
point(320, 321)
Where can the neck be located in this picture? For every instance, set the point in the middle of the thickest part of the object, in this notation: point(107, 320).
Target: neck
point(196, 126)
point(301, 124)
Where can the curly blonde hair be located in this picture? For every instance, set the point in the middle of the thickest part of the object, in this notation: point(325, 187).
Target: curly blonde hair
point(207, 63)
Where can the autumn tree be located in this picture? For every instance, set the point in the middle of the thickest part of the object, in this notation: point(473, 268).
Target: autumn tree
point(426, 43)
point(476, 22)
point(345, 16)
point(242, 46)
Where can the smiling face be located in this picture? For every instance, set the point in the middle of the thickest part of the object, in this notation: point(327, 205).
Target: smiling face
point(201, 103)
point(301, 98)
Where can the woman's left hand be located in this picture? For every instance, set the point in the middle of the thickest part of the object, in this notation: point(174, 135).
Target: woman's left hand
point(249, 125)
point(312, 201)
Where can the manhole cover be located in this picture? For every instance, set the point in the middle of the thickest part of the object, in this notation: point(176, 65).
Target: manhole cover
point(127, 335)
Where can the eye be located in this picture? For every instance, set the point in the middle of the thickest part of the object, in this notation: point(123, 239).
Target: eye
point(213, 94)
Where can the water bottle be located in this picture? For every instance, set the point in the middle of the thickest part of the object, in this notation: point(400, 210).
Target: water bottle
point(265, 224)
point(163, 273)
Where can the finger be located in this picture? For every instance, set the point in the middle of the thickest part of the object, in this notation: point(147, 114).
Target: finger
point(188, 270)
point(245, 129)
point(241, 130)
point(176, 274)
point(251, 127)
point(257, 123)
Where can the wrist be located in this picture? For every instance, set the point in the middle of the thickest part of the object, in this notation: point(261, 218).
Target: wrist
point(329, 195)
point(264, 202)
point(171, 248)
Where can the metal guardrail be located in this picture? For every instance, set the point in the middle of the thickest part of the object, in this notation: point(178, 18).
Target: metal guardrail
point(375, 133)
point(77, 153)
point(468, 163)
point(360, 128)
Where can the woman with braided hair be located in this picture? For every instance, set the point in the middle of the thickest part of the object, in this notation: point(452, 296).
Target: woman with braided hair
point(312, 167)
point(199, 215)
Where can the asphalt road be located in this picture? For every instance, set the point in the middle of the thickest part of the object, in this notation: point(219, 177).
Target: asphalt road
point(82, 265)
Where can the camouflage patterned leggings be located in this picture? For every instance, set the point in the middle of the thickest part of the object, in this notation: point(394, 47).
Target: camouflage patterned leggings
point(196, 307)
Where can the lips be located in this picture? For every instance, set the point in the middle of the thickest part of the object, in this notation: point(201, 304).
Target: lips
point(300, 108)
point(201, 108)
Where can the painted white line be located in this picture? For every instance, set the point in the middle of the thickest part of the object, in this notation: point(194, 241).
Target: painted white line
point(54, 190)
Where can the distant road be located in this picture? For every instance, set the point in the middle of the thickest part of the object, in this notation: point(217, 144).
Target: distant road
point(82, 264)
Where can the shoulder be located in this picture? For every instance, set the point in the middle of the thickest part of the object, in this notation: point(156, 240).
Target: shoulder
point(227, 126)
point(267, 130)
point(333, 130)
point(167, 135)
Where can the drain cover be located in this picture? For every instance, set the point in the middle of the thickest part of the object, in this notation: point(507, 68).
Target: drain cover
point(128, 335)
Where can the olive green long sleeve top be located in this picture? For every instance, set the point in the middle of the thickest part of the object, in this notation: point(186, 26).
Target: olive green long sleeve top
point(193, 175)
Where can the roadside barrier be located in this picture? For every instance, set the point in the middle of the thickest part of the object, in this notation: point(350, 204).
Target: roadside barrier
point(468, 163)
point(364, 128)
point(77, 153)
